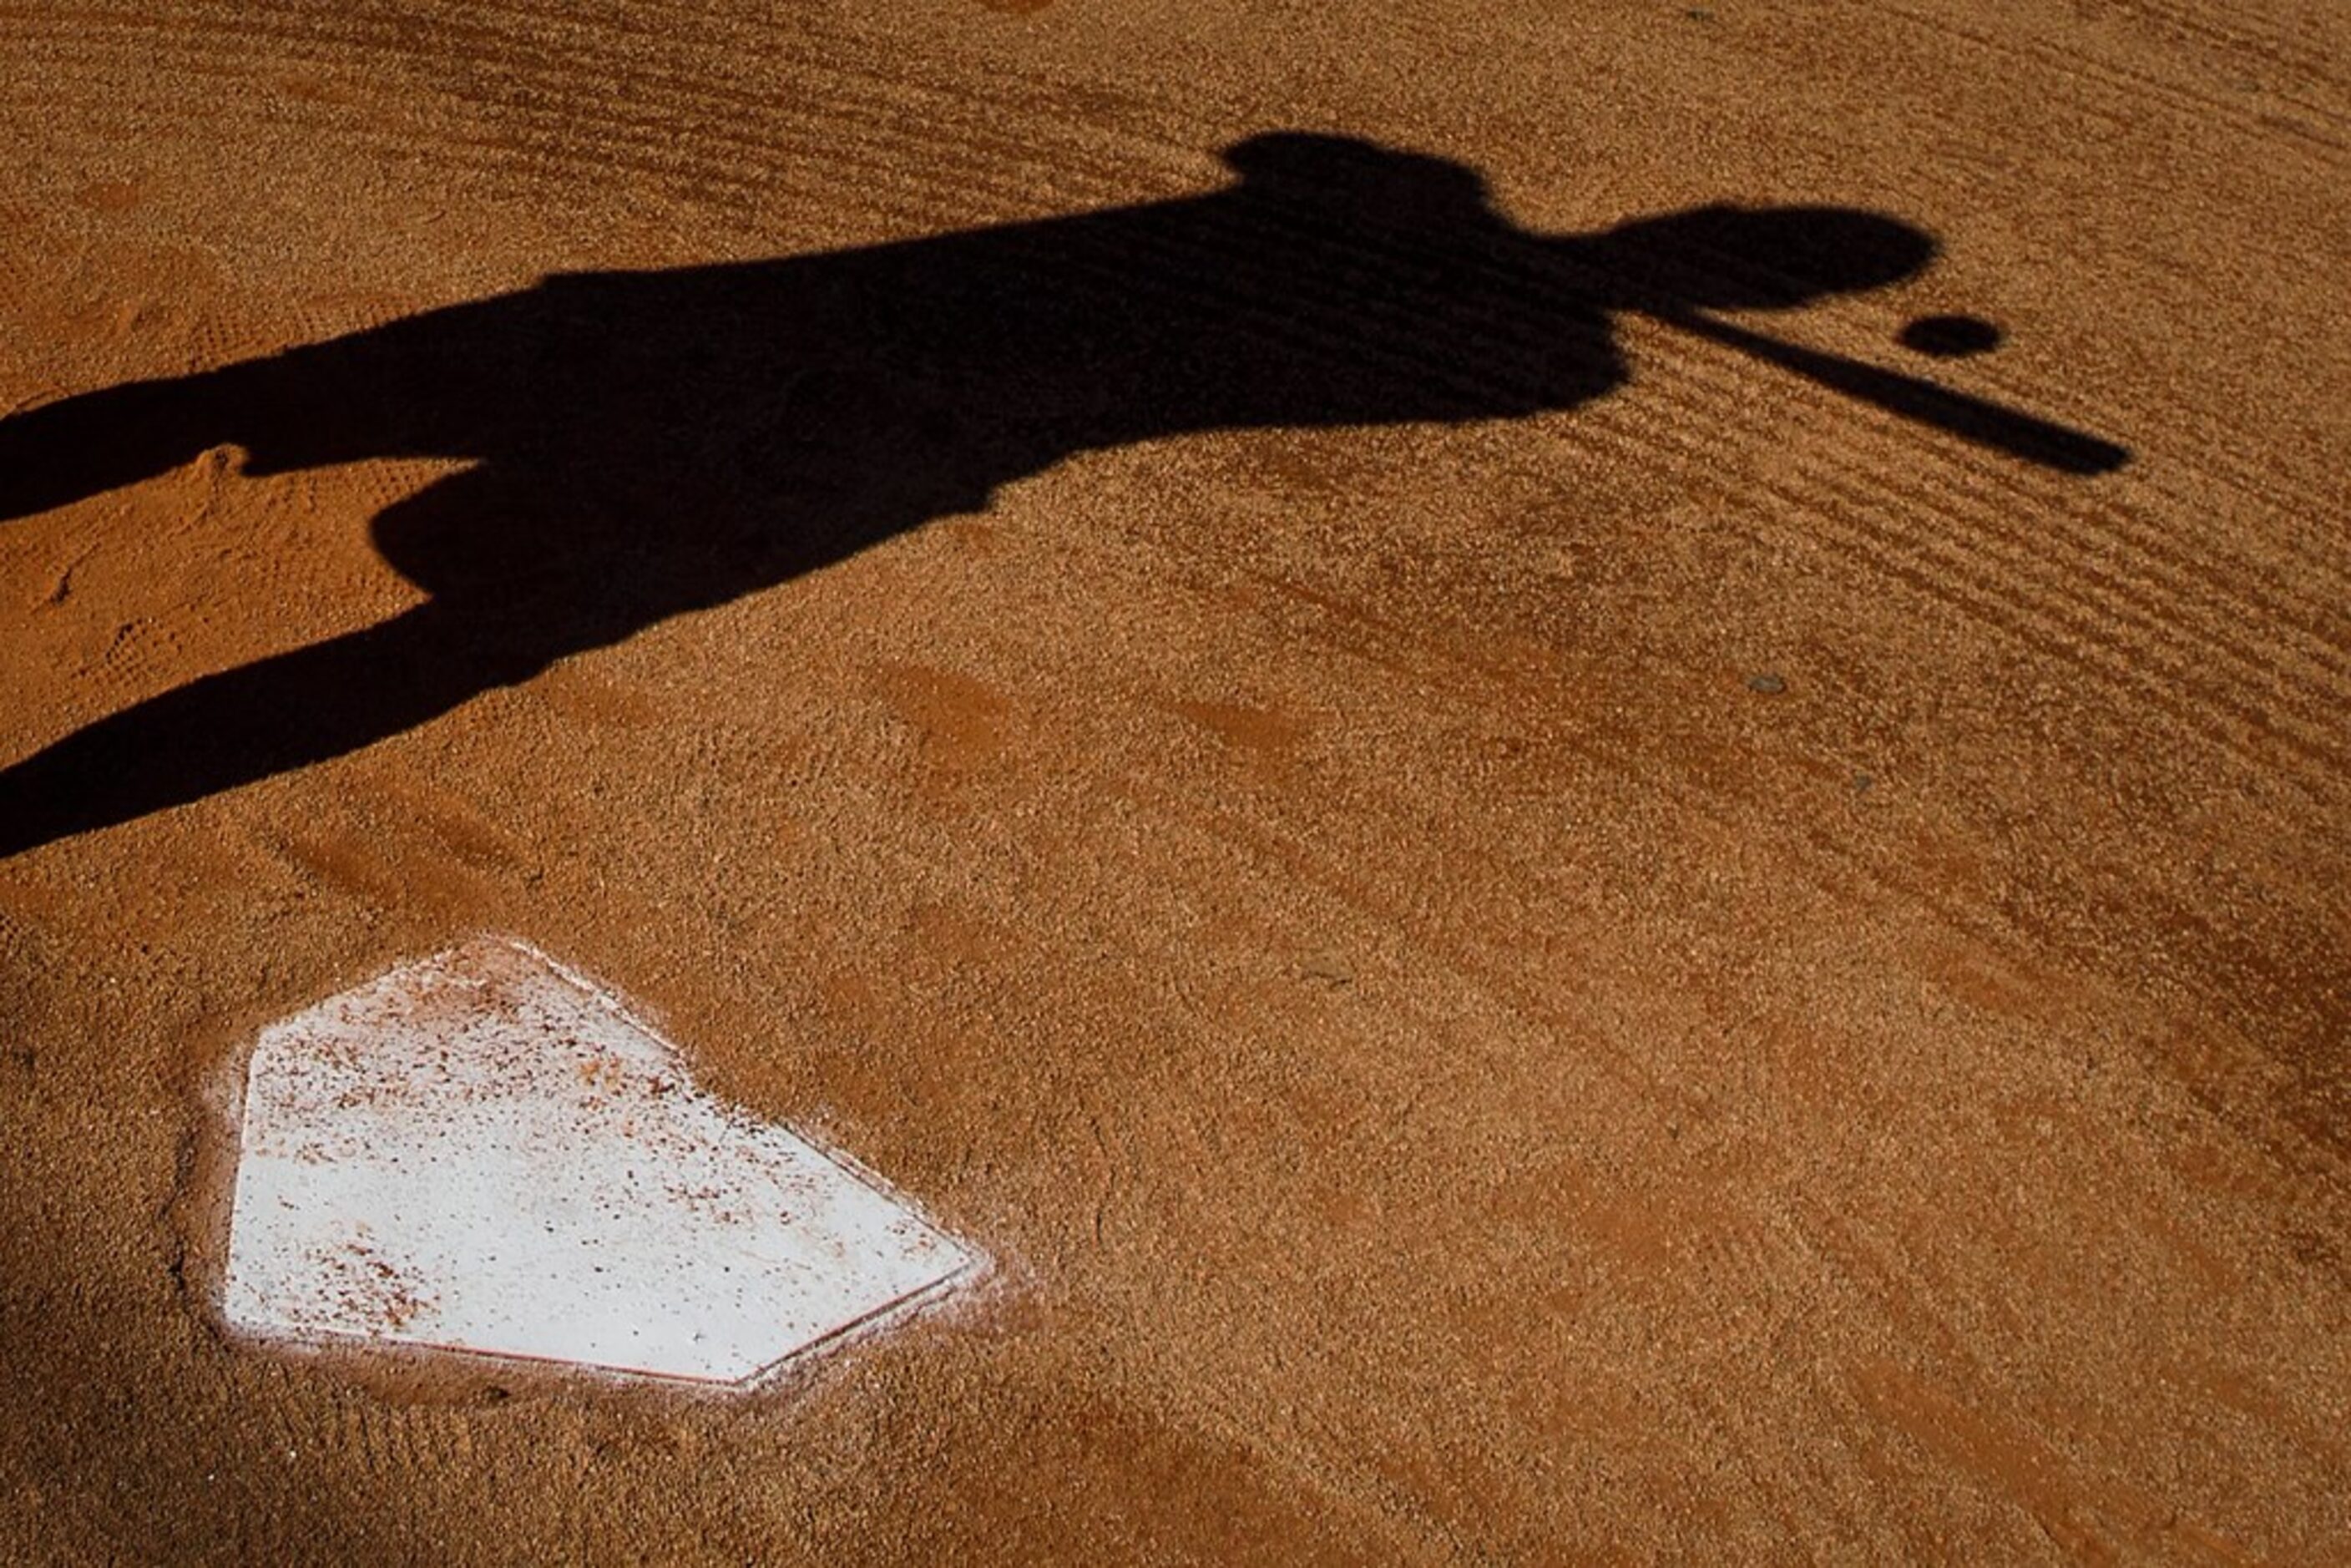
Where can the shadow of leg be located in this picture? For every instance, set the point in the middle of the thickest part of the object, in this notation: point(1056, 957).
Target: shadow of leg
point(267, 718)
point(101, 441)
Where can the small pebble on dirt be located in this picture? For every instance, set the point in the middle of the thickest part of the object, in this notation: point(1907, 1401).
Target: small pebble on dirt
point(1771, 686)
point(1330, 968)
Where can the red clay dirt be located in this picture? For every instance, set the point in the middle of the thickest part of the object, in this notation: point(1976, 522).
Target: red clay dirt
point(1718, 974)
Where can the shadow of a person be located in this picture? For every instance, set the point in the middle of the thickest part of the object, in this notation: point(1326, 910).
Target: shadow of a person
point(647, 443)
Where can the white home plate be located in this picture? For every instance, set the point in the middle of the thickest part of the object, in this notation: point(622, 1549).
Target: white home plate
point(482, 1152)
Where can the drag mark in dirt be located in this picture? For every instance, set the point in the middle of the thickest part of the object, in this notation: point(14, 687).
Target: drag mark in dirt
point(665, 120)
point(2118, 604)
point(644, 444)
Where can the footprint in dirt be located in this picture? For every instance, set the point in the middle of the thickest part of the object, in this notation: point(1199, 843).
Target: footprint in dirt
point(650, 443)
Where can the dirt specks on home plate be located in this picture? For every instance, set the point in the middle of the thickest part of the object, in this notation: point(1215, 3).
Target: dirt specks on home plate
point(483, 1152)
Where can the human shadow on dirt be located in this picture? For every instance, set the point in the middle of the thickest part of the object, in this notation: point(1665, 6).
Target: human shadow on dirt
point(650, 443)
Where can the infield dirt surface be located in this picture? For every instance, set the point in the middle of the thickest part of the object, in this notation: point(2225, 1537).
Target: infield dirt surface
point(1529, 936)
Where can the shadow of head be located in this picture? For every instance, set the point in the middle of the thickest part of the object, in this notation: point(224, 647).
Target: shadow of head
point(1725, 258)
point(1721, 257)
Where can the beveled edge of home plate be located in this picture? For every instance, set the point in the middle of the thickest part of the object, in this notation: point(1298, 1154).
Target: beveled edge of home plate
point(964, 1282)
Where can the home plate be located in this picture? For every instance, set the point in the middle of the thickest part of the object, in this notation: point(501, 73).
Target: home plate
point(482, 1152)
